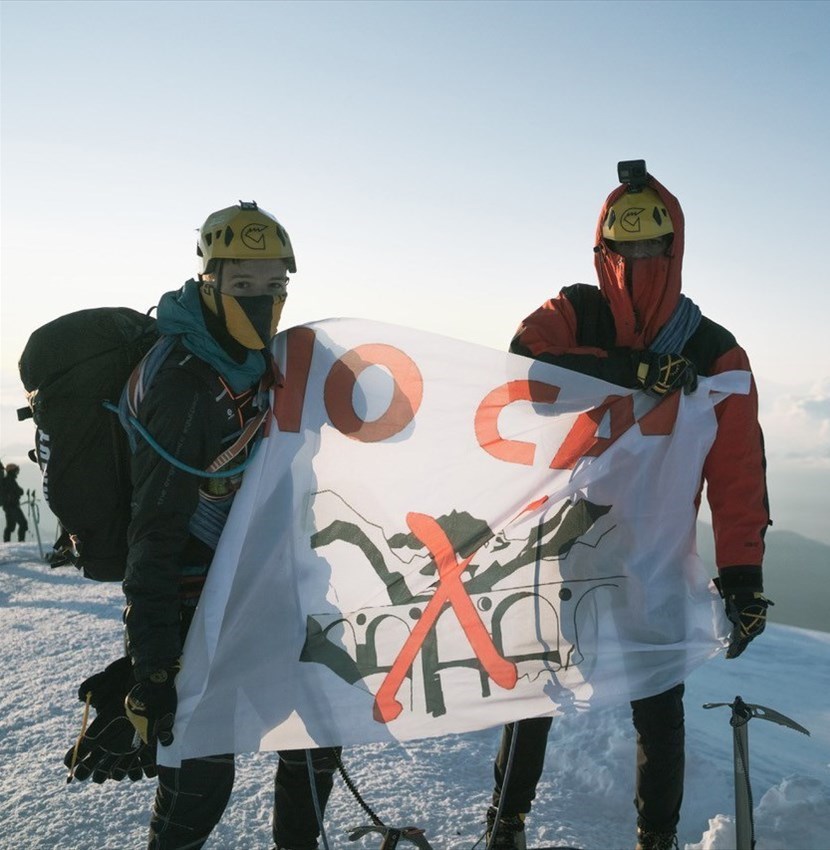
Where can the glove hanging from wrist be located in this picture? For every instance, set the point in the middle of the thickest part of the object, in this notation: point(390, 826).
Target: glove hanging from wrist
point(151, 706)
point(108, 748)
point(663, 373)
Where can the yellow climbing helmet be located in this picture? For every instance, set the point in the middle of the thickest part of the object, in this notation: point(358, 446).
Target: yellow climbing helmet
point(244, 232)
point(637, 215)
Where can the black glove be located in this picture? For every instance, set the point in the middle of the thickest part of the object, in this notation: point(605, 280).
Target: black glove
point(63, 552)
point(747, 611)
point(151, 706)
point(110, 685)
point(61, 558)
point(664, 373)
point(109, 748)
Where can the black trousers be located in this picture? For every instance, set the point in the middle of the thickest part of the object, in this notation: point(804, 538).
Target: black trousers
point(190, 800)
point(15, 517)
point(659, 723)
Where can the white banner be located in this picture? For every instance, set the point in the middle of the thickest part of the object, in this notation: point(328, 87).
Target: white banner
point(438, 537)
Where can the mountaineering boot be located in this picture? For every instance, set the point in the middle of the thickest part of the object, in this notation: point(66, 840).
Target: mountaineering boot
point(655, 840)
point(509, 831)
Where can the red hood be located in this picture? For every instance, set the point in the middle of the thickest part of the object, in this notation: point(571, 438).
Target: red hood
point(655, 282)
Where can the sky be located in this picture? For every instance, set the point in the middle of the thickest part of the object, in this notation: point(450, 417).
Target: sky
point(437, 165)
point(58, 628)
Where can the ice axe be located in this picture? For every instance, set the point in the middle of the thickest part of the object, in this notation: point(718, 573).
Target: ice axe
point(742, 713)
point(392, 835)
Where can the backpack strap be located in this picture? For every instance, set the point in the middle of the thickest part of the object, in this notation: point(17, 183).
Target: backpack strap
point(248, 433)
point(137, 385)
point(136, 388)
point(594, 319)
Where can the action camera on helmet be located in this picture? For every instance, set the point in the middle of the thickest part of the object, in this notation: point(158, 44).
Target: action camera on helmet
point(633, 173)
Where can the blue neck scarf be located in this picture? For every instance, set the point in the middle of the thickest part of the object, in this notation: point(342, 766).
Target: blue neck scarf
point(180, 314)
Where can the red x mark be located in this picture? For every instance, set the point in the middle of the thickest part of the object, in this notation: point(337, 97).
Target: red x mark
point(450, 590)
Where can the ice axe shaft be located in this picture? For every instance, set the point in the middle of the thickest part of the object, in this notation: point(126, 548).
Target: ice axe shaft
point(744, 826)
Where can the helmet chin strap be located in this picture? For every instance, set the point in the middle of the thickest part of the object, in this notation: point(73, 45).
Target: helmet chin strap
point(217, 294)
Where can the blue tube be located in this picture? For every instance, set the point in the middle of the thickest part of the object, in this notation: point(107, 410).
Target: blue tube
point(174, 461)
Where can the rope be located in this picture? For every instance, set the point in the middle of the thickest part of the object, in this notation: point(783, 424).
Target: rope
point(677, 331)
point(312, 781)
point(505, 782)
point(355, 793)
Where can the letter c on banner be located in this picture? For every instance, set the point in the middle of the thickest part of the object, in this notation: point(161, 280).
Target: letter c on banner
point(406, 397)
point(487, 418)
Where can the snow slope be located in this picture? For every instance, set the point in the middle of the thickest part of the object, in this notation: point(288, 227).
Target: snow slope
point(56, 628)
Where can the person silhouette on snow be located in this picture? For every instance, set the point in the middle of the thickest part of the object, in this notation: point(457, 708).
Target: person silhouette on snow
point(638, 331)
point(11, 494)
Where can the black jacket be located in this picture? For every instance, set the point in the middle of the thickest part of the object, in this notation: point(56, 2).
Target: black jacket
point(193, 414)
point(12, 492)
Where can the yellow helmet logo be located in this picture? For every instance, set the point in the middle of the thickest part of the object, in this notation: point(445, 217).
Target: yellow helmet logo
point(637, 215)
point(253, 236)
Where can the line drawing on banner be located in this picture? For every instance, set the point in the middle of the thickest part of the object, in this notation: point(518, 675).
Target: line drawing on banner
point(484, 579)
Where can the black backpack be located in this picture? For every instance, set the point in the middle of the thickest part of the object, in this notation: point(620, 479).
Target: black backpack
point(70, 367)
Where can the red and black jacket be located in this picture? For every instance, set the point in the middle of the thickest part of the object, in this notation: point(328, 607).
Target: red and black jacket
point(595, 330)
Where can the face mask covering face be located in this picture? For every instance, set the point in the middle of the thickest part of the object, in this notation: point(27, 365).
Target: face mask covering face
point(252, 320)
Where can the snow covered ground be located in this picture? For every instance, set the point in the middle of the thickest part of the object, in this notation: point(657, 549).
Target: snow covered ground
point(56, 628)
